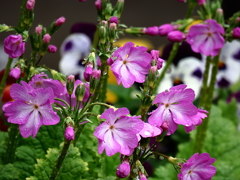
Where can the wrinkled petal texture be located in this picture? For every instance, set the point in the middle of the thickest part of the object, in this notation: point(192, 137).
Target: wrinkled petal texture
point(14, 46)
point(206, 38)
point(119, 132)
point(198, 167)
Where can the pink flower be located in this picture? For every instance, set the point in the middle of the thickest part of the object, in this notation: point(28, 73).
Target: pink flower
point(52, 49)
point(69, 133)
point(236, 33)
point(14, 46)
point(149, 131)
point(119, 132)
point(131, 64)
point(60, 21)
point(42, 81)
point(176, 36)
point(165, 29)
point(123, 170)
point(98, 4)
point(155, 56)
point(30, 4)
point(88, 72)
point(174, 107)
point(15, 72)
point(46, 38)
point(38, 30)
point(153, 31)
point(198, 167)
point(201, 2)
point(30, 109)
point(206, 38)
point(113, 19)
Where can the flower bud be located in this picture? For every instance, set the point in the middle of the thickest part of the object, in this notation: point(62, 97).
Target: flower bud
point(155, 54)
point(165, 29)
point(15, 72)
point(236, 33)
point(96, 74)
point(14, 46)
point(46, 38)
point(102, 34)
point(113, 19)
point(60, 21)
point(88, 72)
point(108, 10)
point(70, 84)
point(153, 31)
point(98, 4)
point(69, 133)
point(123, 170)
point(30, 5)
point(119, 8)
point(176, 36)
point(52, 49)
point(38, 29)
point(110, 61)
point(80, 91)
point(201, 2)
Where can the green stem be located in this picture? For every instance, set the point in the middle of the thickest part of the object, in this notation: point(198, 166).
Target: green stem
point(5, 75)
point(60, 160)
point(78, 132)
point(206, 104)
point(190, 9)
point(12, 144)
point(169, 62)
point(63, 102)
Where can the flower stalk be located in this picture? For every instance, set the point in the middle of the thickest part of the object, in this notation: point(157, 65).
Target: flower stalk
point(5, 75)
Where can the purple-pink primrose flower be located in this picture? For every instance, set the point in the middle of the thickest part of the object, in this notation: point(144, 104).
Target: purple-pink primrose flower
point(42, 81)
point(155, 56)
point(198, 167)
point(30, 109)
point(174, 107)
point(149, 131)
point(14, 46)
point(131, 64)
point(119, 132)
point(206, 38)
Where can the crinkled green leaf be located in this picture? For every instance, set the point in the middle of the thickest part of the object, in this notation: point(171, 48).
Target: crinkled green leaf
point(222, 143)
point(8, 172)
point(73, 166)
point(3, 145)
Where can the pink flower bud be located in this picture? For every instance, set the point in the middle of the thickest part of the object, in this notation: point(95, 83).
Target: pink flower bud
point(155, 54)
point(165, 29)
point(69, 133)
point(96, 74)
point(176, 36)
point(123, 170)
point(52, 49)
point(15, 72)
point(201, 2)
point(38, 30)
point(153, 31)
point(60, 21)
point(71, 78)
point(236, 32)
point(30, 4)
point(104, 23)
point(159, 63)
point(113, 19)
point(99, 62)
point(46, 38)
point(14, 46)
point(153, 69)
point(113, 26)
point(110, 61)
point(98, 4)
point(88, 72)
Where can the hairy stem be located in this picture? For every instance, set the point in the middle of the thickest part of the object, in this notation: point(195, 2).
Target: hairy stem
point(5, 75)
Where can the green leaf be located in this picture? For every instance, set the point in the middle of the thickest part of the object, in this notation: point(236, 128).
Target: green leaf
point(3, 145)
point(73, 166)
point(8, 172)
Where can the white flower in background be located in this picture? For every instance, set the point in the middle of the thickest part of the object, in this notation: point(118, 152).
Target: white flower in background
point(188, 71)
point(229, 64)
point(73, 49)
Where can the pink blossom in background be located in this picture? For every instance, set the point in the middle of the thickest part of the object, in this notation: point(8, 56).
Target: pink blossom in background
point(198, 167)
point(201, 2)
point(206, 38)
point(164, 29)
point(46, 38)
point(60, 21)
point(113, 19)
point(131, 64)
point(69, 133)
point(176, 36)
point(15, 72)
point(52, 49)
point(98, 4)
point(236, 33)
point(14, 46)
point(38, 29)
point(30, 4)
point(153, 31)
point(174, 107)
point(30, 109)
point(42, 81)
point(119, 132)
